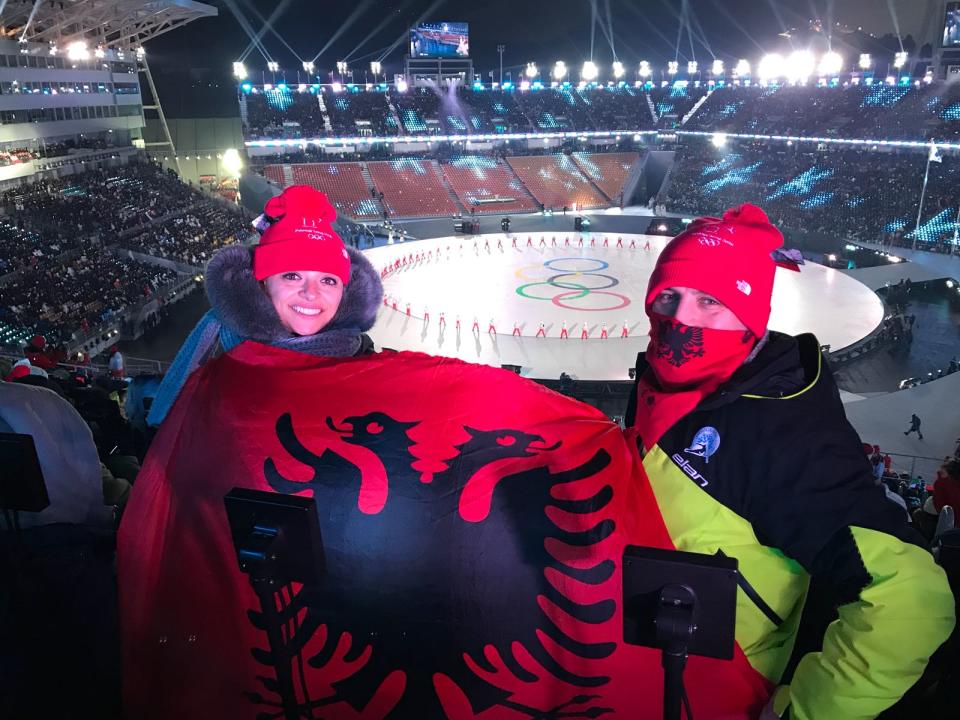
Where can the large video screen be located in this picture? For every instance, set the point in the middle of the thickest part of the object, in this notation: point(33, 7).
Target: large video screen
point(951, 28)
point(441, 40)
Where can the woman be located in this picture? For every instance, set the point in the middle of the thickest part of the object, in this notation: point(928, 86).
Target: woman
point(300, 289)
point(750, 454)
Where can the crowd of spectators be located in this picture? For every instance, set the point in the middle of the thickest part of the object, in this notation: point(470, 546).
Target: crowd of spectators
point(98, 203)
point(841, 192)
point(68, 295)
point(194, 236)
point(877, 112)
point(60, 274)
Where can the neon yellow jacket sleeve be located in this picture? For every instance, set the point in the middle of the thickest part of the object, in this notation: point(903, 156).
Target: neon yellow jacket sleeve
point(881, 642)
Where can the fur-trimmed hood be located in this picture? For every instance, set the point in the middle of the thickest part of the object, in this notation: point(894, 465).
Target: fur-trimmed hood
point(244, 308)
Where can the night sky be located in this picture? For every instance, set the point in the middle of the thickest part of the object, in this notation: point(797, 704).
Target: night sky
point(543, 31)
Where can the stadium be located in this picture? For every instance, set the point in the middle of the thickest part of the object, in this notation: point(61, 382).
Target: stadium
point(501, 362)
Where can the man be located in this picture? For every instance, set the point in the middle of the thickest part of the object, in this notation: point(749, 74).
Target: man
point(749, 453)
point(914, 426)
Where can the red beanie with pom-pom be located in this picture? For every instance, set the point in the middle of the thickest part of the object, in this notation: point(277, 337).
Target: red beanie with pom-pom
point(729, 258)
point(301, 236)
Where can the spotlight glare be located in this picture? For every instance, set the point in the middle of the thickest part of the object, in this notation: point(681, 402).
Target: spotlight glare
point(531, 71)
point(717, 68)
point(831, 63)
point(742, 68)
point(232, 162)
point(692, 67)
point(375, 67)
point(78, 50)
point(719, 140)
point(673, 67)
point(589, 71)
point(618, 70)
point(866, 62)
point(273, 66)
point(308, 65)
point(559, 70)
point(401, 85)
point(900, 59)
point(239, 71)
point(645, 71)
point(771, 67)
point(799, 66)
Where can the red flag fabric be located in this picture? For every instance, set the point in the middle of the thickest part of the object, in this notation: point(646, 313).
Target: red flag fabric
point(473, 526)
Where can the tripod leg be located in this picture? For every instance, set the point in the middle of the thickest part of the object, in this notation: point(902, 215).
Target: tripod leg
point(673, 666)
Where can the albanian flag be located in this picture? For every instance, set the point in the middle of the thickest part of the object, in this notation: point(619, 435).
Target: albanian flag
point(473, 525)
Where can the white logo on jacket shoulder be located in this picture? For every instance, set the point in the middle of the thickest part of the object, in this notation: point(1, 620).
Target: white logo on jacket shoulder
point(744, 287)
point(705, 443)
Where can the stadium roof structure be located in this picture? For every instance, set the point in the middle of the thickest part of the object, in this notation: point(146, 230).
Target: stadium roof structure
point(121, 24)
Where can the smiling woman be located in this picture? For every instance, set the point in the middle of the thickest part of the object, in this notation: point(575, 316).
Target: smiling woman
point(299, 289)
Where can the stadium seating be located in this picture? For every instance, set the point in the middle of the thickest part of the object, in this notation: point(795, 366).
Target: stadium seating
point(274, 173)
point(618, 108)
point(343, 183)
point(475, 178)
point(673, 103)
point(556, 182)
point(608, 171)
point(358, 113)
point(411, 188)
point(282, 113)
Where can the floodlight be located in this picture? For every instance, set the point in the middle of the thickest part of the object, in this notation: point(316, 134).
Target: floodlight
point(531, 71)
point(273, 66)
point(308, 66)
point(375, 67)
point(771, 67)
point(645, 69)
point(559, 70)
point(618, 69)
point(742, 68)
point(831, 63)
point(717, 68)
point(866, 62)
point(672, 67)
point(718, 140)
point(900, 59)
point(240, 71)
point(78, 50)
point(589, 71)
point(692, 67)
point(799, 66)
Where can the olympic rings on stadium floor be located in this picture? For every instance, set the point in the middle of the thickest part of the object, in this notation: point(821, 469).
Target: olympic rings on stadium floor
point(553, 280)
point(624, 301)
point(575, 290)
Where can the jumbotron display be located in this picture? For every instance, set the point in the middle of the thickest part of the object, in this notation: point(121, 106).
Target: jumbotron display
point(440, 40)
point(951, 27)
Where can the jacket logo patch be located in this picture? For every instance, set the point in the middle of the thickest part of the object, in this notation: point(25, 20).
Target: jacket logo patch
point(689, 469)
point(705, 443)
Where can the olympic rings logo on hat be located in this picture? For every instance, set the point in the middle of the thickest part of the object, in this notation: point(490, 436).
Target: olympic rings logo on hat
point(574, 291)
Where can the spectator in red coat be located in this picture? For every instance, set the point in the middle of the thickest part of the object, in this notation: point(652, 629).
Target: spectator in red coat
point(42, 356)
point(946, 488)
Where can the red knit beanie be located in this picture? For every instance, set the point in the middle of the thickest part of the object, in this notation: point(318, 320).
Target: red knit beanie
point(301, 236)
point(729, 258)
